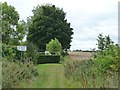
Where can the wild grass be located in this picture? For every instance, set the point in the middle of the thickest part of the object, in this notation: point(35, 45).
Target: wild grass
point(15, 72)
point(89, 75)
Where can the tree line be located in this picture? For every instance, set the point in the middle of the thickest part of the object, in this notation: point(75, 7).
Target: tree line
point(48, 22)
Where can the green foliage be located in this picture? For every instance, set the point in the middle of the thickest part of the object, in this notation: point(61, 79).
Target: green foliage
point(89, 74)
point(100, 71)
point(108, 57)
point(101, 41)
point(105, 62)
point(54, 46)
point(48, 59)
point(49, 22)
point(104, 42)
point(32, 52)
point(107, 42)
point(9, 51)
point(12, 30)
point(15, 72)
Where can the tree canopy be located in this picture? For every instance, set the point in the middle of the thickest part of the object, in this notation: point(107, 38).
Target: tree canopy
point(12, 30)
point(48, 22)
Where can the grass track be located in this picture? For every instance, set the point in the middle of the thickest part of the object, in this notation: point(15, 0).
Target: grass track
point(50, 76)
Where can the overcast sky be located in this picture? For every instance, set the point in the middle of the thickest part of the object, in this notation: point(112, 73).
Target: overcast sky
point(88, 18)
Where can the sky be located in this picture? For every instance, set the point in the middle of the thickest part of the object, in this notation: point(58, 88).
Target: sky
point(88, 18)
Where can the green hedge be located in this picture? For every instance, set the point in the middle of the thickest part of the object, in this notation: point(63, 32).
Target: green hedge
point(48, 59)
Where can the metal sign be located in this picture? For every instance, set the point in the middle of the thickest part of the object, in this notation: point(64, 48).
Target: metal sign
point(22, 48)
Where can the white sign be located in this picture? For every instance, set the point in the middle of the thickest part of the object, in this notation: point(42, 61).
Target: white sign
point(21, 48)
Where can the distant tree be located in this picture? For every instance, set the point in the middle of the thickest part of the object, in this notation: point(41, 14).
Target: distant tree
point(101, 42)
point(54, 46)
point(12, 31)
point(48, 22)
point(108, 42)
point(104, 42)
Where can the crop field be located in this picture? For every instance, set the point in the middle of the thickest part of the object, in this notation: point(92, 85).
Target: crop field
point(80, 55)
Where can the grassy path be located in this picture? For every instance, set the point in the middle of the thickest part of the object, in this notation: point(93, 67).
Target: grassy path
point(50, 76)
point(55, 76)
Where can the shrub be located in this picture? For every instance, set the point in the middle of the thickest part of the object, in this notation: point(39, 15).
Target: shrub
point(54, 46)
point(9, 51)
point(108, 54)
point(109, 58)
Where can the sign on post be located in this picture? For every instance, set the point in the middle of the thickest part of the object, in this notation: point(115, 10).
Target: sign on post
point(21, 48)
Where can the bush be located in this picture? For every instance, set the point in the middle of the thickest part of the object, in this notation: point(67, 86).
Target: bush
point(108, 54)
point(48, 59)
point(105, 62)
point(9, 51)
point(54, 46)
point(108, 59)
point(14, 72)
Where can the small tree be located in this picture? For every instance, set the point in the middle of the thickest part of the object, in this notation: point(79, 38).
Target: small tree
point(101, 42)
point(104, 42)
point(108, 42)
point(54, 46)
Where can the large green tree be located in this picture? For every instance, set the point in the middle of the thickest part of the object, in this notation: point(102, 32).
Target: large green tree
point(12, 30)
point(49, 22)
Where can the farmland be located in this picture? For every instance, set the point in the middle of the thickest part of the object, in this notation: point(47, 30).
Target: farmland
point(80, 55)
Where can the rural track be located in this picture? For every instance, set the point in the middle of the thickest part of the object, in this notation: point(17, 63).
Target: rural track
point(50, 76)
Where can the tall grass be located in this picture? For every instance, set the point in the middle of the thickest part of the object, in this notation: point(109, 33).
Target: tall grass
point(15, 72)
point(89, 74)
